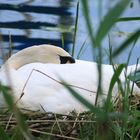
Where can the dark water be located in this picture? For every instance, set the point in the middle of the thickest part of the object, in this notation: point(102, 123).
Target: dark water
point(30, 22)
point(35, 22)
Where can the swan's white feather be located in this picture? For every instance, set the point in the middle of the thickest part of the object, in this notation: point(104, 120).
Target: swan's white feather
point(44, 90)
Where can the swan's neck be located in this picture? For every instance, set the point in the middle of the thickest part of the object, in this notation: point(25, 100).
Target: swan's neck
point(32, 55)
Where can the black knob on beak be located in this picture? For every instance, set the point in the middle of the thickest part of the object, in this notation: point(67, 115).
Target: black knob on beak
point(66, 59)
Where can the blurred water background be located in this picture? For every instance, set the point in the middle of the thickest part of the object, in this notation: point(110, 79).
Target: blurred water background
point(33, 22)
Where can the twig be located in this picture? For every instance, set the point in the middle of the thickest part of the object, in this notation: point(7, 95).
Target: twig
point(8, 122)
point(55, 135)
point(58, 124)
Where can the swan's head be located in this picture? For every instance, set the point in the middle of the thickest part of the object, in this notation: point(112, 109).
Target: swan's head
point(42, 54)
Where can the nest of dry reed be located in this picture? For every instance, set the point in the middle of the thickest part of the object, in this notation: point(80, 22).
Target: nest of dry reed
point(57, 125)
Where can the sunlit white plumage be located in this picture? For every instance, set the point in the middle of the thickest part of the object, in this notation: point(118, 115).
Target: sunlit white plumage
point(44, 90)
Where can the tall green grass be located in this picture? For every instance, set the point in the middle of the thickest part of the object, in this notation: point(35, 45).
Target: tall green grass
point(117, 120)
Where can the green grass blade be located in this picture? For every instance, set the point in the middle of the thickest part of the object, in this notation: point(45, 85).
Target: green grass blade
point(114, 80)
point(3, 135)
point(110, 19)
point(82, 49)
point(62, 40)
point(88, 22)
point(10, 46)
point(126, 43)
point(126, 19)
point(6, 93)
point(110, 51)
point(82, 100)
point(75, 29)
point(9, 100)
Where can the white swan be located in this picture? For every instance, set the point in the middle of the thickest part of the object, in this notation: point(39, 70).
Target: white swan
point(36, 80)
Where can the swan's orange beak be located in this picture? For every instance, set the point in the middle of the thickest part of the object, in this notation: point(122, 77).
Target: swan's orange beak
point(68, 62)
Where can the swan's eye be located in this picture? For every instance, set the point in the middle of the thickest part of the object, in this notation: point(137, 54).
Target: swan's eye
point(67, 59)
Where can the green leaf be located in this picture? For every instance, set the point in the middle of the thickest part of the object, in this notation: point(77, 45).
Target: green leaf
point(3, 135)
point(126, 43)
point(110, 19)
